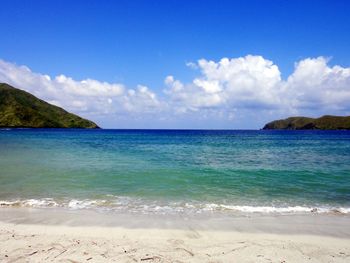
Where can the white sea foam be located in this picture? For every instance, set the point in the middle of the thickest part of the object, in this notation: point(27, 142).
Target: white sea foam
point(44, 202)
point(136, 205)
point(344, 210)
point(86, 204)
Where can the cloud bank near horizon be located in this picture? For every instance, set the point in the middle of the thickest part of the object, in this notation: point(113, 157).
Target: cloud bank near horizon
point(242, 92)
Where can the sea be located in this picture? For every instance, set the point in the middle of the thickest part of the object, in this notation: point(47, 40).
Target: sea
point(182, 172)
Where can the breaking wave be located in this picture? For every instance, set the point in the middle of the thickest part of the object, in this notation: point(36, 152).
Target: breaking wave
point(134, 205)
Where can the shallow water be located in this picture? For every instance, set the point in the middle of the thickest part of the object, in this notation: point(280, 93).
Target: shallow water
point(176, 171)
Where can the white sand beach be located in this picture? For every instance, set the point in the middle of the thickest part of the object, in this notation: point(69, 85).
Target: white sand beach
point(257, 239)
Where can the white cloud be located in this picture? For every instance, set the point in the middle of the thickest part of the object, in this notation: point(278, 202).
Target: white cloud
point(192, 65)
point(316, 86)
point(141, 100)
point(254, 83)
point(250, 81)
point(87, 97)
point(239, 92)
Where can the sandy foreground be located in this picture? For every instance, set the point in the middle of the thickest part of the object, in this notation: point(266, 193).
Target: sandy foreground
point(39, 242)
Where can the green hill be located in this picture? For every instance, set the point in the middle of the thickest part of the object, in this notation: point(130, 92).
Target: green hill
point(20, 109)
point(326, 122)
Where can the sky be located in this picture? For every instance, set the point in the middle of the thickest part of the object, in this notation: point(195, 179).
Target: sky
point(180, 64)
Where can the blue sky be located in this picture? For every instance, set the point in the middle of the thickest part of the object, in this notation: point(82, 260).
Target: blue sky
point(142, 42)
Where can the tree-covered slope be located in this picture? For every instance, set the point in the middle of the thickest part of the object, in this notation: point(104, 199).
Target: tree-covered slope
point(21, 109)
point(326, 122)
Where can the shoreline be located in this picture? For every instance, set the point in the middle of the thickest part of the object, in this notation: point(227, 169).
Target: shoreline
point(59, 235)
point(37, 235)
point(136, 205)
point(333, 225)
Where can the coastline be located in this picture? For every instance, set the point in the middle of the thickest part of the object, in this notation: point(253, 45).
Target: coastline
point(37, 235)
point(174, 196)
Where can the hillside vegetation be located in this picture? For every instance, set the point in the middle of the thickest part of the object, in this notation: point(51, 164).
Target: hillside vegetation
point(19, 108)
point(326, 122)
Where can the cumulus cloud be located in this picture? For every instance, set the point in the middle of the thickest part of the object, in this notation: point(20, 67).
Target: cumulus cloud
point(253, 83)
point(316, 86)
point(87, 97)
point(246, 91)
point(250, 81)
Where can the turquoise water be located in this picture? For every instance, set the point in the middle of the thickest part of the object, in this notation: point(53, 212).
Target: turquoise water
point(169, 171)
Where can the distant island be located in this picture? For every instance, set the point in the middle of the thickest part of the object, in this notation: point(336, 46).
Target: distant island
point(20, 109)
point(326, 122)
